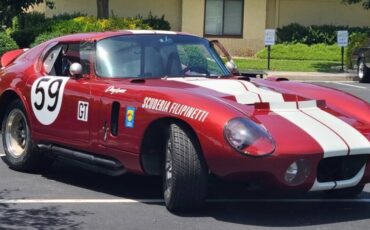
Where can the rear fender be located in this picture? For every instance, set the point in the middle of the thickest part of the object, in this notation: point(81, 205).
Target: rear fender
point(10, 56)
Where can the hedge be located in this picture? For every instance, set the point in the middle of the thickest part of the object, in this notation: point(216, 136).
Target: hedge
point(26, 28)
point(6, 43)
point(327, 34)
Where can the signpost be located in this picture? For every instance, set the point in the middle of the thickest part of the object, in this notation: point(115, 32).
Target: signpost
point(270, 40)
point(342, 40)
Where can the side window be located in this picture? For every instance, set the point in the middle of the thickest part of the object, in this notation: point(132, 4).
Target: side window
point(60, 58)
point(50, 60)
point(196, 59)
point(87, 51)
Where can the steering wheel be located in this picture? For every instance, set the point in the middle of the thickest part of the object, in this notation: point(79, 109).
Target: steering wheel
point(198, 69)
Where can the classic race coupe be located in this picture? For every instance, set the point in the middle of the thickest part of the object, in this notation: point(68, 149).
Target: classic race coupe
point(165, 103)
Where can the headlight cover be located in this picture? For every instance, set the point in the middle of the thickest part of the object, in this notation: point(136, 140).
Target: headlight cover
point(248, 137)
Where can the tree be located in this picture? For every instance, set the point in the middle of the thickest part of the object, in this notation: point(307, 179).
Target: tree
point(365, 3)
point(11, 8)
point(103, 8)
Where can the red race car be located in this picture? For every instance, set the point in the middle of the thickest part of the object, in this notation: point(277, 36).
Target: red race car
point(165, 103)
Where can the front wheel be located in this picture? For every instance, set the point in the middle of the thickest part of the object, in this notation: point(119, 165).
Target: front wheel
point(185, 173)
point(363, 72)
point(20, 153)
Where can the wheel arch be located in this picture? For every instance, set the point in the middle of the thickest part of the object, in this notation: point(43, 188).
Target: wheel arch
point(154, 141)
point(5, 100)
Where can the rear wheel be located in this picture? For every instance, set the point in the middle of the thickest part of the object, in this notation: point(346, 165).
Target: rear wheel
point(185, 173)
point(20, 153)
point(346, 192)
point(363, 72)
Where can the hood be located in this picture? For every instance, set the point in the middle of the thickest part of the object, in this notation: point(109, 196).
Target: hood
point(337, 133)
point(239, 91)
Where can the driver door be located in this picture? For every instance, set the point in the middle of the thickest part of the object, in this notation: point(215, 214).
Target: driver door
point(61, 103)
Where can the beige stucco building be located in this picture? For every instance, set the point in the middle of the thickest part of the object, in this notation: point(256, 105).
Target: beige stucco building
point(238, 24)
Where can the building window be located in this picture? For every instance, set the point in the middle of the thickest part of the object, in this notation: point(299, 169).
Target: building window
point(224, 18)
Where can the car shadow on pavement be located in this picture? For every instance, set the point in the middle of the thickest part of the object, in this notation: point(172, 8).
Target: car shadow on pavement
point(262, 213)
point(49, 217)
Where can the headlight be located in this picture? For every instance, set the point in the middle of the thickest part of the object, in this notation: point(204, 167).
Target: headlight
point(248, 137)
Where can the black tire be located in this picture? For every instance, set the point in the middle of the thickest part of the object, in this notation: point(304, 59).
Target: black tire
point(185, 173)
point(363, 72)
point(346, 192)
point(20, 152)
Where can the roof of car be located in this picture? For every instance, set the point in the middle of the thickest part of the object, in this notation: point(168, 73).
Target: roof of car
point(94, 36)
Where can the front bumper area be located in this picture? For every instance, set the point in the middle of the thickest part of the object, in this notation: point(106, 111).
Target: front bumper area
point(318, 174)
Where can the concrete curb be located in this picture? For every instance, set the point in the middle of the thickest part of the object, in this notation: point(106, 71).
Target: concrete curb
point(313, 76)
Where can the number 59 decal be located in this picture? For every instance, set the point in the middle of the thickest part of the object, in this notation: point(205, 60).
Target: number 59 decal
point(46, 98)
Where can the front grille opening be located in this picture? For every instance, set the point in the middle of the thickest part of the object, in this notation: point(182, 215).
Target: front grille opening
point(340, 168)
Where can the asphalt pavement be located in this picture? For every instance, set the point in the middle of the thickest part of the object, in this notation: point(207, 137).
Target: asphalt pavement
point(65, 197)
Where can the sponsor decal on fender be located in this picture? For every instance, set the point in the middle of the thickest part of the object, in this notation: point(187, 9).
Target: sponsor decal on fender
point(130, 117)
point(175, 108)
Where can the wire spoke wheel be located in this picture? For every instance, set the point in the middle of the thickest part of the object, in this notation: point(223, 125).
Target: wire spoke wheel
point(20, 152)
point(16, 133)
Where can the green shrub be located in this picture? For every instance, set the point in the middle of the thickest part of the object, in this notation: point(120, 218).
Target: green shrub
point(32, 28)
point(356, 40)
point(157, 23)
point(89, 24)
point(295, 33)
point(6, 43)
point(26, 27)
point(303, 52)
point(45, 37)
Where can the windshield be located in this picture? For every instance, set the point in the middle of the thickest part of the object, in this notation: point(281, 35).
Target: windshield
point(157, 55)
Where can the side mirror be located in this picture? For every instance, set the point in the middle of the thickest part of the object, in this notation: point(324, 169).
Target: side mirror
point(231, 66)
point(75, 70)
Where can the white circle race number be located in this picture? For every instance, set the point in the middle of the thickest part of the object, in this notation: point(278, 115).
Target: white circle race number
point(46, 98)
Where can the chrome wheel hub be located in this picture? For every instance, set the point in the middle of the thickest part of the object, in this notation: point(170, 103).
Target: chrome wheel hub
point(16, 133)
point(361, 70)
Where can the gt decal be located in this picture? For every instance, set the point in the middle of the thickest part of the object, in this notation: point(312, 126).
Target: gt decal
point(175, 108)
point(47, 97)
point(83, 111)
point(130, 117)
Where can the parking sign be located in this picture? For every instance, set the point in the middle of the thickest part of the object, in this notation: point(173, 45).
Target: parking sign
point(342, 37)
point(270, 37)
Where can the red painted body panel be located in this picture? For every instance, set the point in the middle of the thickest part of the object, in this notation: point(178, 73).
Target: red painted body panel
point(217, 108)
point(10, 56)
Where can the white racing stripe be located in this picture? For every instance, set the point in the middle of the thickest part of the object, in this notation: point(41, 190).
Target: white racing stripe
point(330, 142)
point(266, 95)
point(243, 91)
point(150, 32)
point(357, 143)
point(230, 87)
point(152, 201)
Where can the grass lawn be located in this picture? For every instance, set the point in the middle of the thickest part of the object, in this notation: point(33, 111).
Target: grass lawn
point(288, 65)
